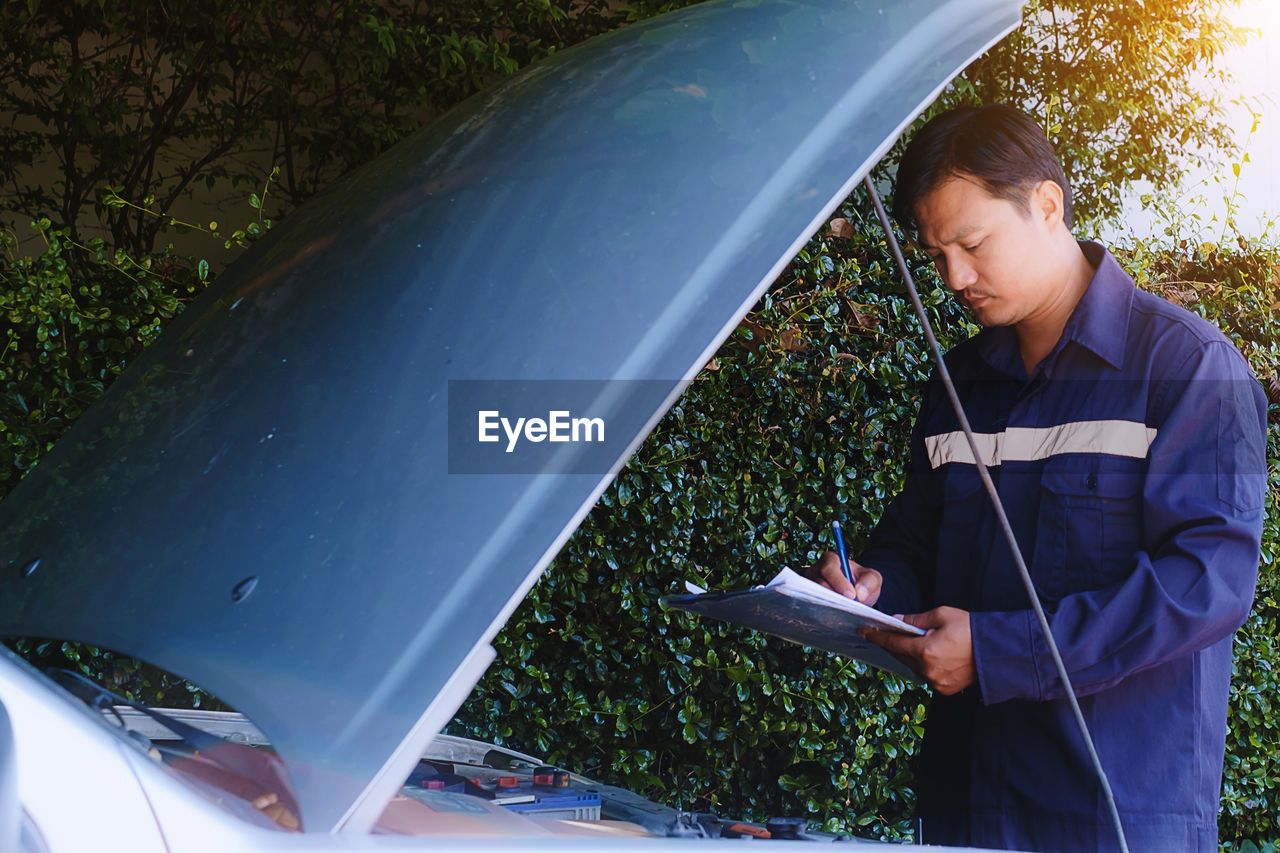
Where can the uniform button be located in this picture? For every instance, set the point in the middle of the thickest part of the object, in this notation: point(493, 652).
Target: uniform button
point(1091, 481)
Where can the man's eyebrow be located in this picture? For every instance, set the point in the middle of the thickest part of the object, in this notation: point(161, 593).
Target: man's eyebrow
point(963, 232)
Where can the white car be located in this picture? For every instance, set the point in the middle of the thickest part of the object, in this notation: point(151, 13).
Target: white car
point(291, 499)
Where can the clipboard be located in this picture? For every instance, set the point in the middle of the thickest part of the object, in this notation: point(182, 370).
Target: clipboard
point(802, 611)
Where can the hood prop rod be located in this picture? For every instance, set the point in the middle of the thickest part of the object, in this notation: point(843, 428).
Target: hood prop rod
point(945, 376)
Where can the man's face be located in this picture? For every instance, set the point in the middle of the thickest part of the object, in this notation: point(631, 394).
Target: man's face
point(991, 253)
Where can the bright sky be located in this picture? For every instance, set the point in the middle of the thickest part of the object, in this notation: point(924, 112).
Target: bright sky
point(1256, 69)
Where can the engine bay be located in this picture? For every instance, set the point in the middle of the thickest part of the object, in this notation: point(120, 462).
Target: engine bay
point(469, 788)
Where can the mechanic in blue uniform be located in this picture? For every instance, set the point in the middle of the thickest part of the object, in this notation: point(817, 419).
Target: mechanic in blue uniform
point(1126, 438)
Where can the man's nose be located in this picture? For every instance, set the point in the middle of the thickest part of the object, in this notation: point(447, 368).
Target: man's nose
point(961, 273)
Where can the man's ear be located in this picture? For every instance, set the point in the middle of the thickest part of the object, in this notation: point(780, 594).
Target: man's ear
point(1047, 203)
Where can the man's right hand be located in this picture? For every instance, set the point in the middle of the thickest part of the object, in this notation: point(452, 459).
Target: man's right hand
point(866, 582)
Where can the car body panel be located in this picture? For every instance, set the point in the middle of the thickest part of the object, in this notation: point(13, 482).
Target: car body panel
point(74, 777)
point(264, 503)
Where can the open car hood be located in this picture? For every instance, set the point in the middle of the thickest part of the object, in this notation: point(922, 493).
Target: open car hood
point(263, 503)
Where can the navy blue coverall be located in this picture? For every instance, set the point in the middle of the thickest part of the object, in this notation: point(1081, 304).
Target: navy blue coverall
point(1132, 465)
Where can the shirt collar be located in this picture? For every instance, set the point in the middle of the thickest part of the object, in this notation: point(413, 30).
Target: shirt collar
point(1099, 323)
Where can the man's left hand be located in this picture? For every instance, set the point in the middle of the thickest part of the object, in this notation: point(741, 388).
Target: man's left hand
point(943, 657)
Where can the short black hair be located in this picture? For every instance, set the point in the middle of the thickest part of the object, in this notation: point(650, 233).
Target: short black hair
point(1000, 147)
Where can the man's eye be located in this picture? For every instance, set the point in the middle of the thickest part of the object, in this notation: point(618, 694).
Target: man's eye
point(974, 247)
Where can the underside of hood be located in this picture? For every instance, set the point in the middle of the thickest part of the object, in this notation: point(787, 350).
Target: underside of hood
point(271, 502)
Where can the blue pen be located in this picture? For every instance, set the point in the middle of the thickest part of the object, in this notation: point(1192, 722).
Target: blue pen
point(844, 558)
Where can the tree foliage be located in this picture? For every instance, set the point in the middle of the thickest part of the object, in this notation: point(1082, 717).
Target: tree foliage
point(1125, 89)
point(160, 102)
point(157, 101)
point(74, 317)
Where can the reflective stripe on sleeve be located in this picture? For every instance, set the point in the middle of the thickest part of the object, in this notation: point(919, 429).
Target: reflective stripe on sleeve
point(1027, 444)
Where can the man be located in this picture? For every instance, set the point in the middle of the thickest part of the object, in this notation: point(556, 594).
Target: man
point(1126, 438)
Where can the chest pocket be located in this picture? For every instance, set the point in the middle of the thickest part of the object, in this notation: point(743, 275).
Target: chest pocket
point(965, 519)
point(1089, 526)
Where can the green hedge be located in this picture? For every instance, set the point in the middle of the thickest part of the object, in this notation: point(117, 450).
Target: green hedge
point(1238, 287)
point(804, 417)
point(73, 318)
point(801, 417)
point(798, 420)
